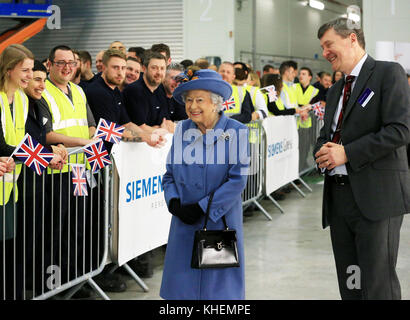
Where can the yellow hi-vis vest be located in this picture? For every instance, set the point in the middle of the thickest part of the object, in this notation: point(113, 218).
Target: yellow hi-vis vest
point(290, 94)
point(238, 97)
point(304, 99)
point(14, 131)
point(252, 91)
point(279, 104)
point(69, 118)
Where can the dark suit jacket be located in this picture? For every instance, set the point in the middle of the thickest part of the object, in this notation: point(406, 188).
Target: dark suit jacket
point(375, 138)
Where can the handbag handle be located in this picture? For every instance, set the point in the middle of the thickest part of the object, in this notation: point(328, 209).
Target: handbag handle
point(211, 196)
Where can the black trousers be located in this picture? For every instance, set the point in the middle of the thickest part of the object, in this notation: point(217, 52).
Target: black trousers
point(365, 251)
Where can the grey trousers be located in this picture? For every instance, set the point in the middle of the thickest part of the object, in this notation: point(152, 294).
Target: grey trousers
point(365, 251)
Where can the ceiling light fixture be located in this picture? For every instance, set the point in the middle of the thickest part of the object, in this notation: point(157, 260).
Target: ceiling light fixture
point(317, 4)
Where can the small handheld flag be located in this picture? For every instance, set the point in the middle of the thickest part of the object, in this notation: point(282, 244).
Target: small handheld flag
point(109, 131)
point(33, 154)
point(97, 155)
point(79, 181)
point(318, 110)
point(229, 104)
point(271, 91)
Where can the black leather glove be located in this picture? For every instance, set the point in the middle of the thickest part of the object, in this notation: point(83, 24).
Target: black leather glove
point(188, 214)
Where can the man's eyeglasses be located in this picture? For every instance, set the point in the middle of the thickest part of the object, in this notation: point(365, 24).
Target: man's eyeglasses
point(62, 64)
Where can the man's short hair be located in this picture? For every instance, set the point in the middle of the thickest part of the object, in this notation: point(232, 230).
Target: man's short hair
point(324, 74)
point(341, 27)
point(176, 66)
point(202, 63)
point(149, 55)
point(85, 57)
point(39, 66)
point(244, 66)
point(308, 70)
point(293, 64)
point(267, 67)
point(285, 66)
point(133, 59)
point(108, 54)
point(52, 54)
point(161, 47)
point(187, 63)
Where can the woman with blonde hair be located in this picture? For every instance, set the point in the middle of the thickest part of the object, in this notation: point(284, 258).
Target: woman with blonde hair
point(16, 64)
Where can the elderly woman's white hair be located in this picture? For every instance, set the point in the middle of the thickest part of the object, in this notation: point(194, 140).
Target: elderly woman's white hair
point(216, 100)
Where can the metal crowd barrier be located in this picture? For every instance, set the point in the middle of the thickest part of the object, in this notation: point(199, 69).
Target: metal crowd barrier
point(254, 188)
point(51, 241)
point(307, 141)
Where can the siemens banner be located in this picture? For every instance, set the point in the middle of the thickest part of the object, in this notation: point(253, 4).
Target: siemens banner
point(143, 218)
point(282, 152)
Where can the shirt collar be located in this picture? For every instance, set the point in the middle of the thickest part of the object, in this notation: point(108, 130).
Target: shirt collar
point(356, 70)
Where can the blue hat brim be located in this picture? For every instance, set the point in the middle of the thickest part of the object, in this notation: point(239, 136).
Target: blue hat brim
point(219, 87)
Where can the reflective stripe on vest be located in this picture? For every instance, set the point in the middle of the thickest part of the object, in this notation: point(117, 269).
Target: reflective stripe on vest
point(252, 91)
point(304, 99)
point(69, 118)
point(13, 131)
point(290, 94)
point(279, 104)
point(238, 96)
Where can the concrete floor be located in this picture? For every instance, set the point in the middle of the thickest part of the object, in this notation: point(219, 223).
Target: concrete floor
point(289, 257)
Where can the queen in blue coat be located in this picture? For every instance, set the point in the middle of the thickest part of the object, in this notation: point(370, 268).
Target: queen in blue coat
point(209, 154)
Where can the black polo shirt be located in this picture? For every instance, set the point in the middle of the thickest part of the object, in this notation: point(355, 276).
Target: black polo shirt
point(106, 103)
point(144, 106)
point(85, 83)
point(176, 111)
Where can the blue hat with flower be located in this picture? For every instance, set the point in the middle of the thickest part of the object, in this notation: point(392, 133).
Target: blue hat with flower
point(204, 79)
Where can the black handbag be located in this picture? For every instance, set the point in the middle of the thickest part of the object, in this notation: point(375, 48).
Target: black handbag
point(214, 248)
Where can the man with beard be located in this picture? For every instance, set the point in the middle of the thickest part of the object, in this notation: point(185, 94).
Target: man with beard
point(77, 70)
point(105, 99)
point(143, 101)
point(132, 72)
point(176, 110)
point(87, 75)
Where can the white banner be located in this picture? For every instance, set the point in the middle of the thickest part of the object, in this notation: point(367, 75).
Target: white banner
point(282, 152)
point(143, 216)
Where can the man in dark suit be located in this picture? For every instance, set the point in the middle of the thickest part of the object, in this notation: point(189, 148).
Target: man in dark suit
point(362, 150)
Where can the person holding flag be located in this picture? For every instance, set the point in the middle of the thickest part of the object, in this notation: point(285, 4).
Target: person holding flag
point(16, 64)
point(72, 125)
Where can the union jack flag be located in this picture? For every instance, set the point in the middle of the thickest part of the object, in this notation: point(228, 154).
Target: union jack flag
point(318, 110)
point(33, 154)
point(79, 181)
point(109, 131)
point(271, 91)
point(229, 104)
point(97, 155)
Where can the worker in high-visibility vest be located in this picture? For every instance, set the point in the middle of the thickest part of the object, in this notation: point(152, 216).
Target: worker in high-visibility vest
point(276, 106)
point(72, 125)
point(288, 94)
point(306, 94)
point(258, 101)
point(16, 64)
point(239, 106)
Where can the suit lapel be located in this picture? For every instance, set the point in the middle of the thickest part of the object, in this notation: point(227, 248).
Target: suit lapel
point(361, 81)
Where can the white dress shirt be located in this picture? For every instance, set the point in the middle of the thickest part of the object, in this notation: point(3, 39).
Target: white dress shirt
point(355, 72)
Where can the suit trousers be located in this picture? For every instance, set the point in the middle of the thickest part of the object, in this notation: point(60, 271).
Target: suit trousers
point(365, 251)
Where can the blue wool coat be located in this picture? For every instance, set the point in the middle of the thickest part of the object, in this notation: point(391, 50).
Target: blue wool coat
point(191, 177)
